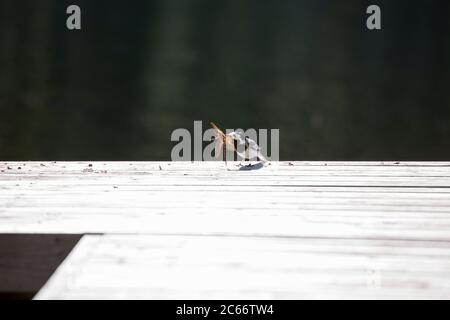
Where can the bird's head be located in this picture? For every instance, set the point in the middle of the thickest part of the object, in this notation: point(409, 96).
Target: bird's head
point(235, 136)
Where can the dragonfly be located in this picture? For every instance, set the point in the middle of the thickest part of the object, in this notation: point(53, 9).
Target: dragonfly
point(245, 148)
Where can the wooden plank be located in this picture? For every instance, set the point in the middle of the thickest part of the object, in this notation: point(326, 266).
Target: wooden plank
point(215, 173)
point(180, 267)
point(349, 200)
point(177, 168)
point(288, 230)
point(58, 165)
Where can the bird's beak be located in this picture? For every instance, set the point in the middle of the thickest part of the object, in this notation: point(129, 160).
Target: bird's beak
point(229, 142)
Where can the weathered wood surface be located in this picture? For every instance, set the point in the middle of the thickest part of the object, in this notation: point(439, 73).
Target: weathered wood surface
point(347, 200)
point(388, 211)
point(212, 267)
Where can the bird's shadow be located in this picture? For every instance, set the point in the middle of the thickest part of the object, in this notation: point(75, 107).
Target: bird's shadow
point(250, 167)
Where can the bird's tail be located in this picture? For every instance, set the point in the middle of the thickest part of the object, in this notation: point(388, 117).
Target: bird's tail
point(262, 158)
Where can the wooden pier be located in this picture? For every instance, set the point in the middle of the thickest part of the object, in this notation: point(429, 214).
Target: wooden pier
point(204, 230)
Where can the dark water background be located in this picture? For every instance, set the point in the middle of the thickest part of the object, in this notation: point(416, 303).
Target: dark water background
point(139, 69)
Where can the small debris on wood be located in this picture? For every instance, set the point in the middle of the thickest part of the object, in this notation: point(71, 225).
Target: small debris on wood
point(160, 168)
point(290, 163)
point(115, 187)
point(90, 165)
point(42, 165)
point(397, 162)
point(88, 170)
point(9, 168)
point(19, 168)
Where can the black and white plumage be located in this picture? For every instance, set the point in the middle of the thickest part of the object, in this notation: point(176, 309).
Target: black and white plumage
point(245, 148)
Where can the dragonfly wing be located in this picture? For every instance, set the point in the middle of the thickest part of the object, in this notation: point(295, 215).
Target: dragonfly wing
point(219, 132)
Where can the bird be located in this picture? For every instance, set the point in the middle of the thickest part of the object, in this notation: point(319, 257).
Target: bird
point(245, 148)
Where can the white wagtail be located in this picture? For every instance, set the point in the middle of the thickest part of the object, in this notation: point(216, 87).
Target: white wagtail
point(245, 148)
